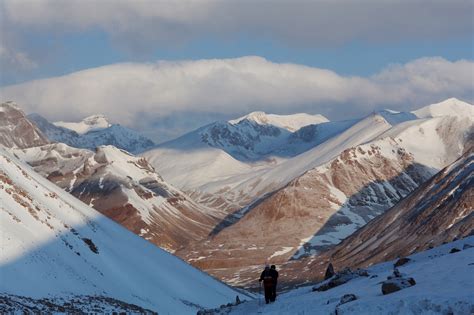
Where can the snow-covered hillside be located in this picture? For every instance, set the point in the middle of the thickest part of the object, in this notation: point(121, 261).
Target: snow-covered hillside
point(126, 189)
point(443, 285)
point(92, 132)
point(53, 245)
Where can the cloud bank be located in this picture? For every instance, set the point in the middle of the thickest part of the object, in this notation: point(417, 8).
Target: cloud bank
point(141, 94)
point(142, 25)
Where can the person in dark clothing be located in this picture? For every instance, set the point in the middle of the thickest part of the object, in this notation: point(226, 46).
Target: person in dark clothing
point(274, 274)
point(267, 279)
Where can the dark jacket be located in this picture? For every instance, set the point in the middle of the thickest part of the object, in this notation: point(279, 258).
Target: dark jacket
point(274, 275)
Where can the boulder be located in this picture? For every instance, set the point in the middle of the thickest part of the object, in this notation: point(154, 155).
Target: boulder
point(329, 272)
point(402, 261)
point(466, 246)
point(396, 284)
point(346, 298)
point(454, 250)
point(340, 278)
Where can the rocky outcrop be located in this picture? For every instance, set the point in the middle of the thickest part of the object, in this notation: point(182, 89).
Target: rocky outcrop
point(329, 272)
point(16, 131)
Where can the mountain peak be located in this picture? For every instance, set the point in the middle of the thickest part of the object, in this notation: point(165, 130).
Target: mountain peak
point(290, 122)
point(9, 105)
point(98, 119)
point(450, 107)
point(90, 123)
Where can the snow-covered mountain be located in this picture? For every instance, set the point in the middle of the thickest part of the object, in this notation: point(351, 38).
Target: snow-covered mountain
point(126, 189)
point(442, 282)
point(214, 176)
point(92, 132)
point(331, 191)
point(312, 212)
point(16, 131)
point(55, 246)
point(254, 137)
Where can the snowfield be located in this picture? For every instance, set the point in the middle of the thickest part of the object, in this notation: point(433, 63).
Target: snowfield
point(444, 285)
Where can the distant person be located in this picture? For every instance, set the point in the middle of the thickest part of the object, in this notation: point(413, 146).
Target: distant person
point(268, 281)
point(274, 274)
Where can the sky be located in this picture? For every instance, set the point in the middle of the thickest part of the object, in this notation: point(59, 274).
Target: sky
point(165, 67)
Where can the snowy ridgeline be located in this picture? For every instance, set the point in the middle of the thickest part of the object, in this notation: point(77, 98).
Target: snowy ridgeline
point(444, 285)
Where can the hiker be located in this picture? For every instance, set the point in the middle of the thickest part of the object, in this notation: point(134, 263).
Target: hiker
point(267, 279)
point(274, 274)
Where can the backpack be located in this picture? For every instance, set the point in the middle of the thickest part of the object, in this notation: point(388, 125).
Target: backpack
point(267, 280)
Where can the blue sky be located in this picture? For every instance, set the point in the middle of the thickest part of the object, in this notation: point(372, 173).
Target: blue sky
point(93, 48)
point(399, 54)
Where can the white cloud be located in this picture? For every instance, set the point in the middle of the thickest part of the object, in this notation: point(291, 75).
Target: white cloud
point(135, 93)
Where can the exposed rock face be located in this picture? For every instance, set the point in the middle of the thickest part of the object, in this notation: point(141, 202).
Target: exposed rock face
point(440, 210)
point(126, 189)
point(16, 131)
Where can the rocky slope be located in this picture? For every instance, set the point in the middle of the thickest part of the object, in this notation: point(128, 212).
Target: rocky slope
point(92, 132)
point(54, 246)
point(16, 131)
point(439, 211)
point(126, 189)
